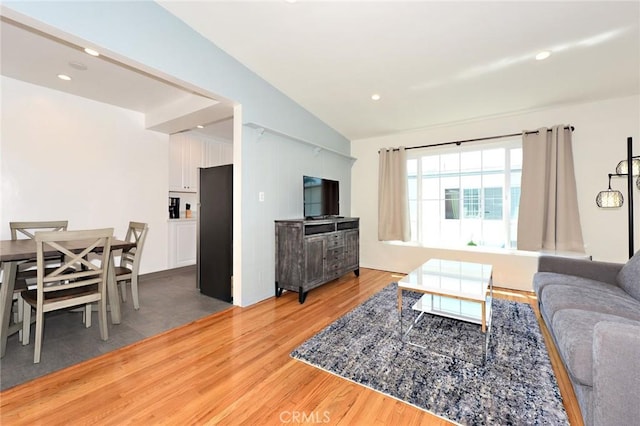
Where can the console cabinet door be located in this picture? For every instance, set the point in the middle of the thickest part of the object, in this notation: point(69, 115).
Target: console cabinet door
point(351, 249)
point(314, 262)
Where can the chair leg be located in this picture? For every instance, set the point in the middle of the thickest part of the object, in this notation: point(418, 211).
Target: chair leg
point(123, 291)
point(102, 319)
point(87, 315)
point(20, 304)
point(26, 322)
point(134, 292)
point(39, 330)
point(16, 314)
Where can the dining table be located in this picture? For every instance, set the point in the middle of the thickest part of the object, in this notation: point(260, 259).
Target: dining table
point(13, 252)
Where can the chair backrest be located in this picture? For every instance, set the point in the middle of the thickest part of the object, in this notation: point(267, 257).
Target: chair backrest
point(137, 233)
point(28, 228)
point(73, 247)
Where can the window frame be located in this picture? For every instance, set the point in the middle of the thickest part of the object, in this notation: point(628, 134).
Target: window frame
point(507, 218)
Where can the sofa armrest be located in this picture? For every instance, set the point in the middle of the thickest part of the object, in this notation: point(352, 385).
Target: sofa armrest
point(616, 373)
point(599, 271)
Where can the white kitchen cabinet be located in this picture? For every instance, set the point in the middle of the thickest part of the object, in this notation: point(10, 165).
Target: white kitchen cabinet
point(186, 155)
point(175, 166)
point(182, 242)
point(217, 153)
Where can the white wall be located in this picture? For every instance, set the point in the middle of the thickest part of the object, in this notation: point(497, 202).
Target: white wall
point(66, 157)
point(276, 168)
point(599, 142)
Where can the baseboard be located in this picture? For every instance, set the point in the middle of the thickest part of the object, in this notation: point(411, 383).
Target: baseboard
point(166, 273)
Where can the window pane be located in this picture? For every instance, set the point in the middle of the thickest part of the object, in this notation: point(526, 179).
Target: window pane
point(412, 188)
point(449, 182)
point(516, 159)
point(412, 179)
point(412, 167)
point(515, 202)
point(452, 203)
point(431, 165)
point(471, 161)
point(493, 203)
point(473, 181)
point(430, 188)
point(413, 219)
point(471, 202)
point(430, 222)
point(493, 159)
point(449, 163)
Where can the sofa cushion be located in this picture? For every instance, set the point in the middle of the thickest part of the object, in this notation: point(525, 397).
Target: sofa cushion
point(573, 330)
point(558, 296)
point(542, 279)
point(629, 276)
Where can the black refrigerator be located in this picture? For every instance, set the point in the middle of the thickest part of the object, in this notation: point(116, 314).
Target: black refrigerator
point(215, 232)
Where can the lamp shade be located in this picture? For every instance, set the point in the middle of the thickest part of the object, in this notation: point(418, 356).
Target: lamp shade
point(609, 199)
point(623, 167)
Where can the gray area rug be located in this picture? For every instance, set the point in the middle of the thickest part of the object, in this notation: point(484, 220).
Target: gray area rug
point(516, 385)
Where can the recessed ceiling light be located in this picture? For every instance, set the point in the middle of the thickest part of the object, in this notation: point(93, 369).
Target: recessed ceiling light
point(78, 66)
point(200, 126)
point(375, 97)
point(291, 1)
point(543, 55)
point(91, 51)
point(64, 77)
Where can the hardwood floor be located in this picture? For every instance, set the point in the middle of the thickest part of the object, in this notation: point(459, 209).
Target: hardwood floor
point(231, 368)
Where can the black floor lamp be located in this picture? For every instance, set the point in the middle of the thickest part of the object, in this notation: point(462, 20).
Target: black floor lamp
point(611, 198)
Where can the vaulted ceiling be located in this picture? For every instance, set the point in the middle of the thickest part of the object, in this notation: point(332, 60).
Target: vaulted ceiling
point(431, 63)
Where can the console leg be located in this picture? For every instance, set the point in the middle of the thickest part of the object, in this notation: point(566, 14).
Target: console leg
point(302, 295)
point(357, 272)
point(278, 290)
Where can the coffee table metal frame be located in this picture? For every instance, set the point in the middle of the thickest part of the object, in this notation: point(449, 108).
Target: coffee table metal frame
point(443, 280)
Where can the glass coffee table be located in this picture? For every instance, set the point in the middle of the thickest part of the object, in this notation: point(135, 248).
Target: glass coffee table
point(453, 289)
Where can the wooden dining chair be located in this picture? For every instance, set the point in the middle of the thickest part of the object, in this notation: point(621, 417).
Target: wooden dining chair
point(65, 286)
point(27, 269)
point(127, 271)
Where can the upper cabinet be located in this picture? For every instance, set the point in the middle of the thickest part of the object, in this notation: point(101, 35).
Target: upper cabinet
point(185, 156)
point(218, 153)
point(188, 152)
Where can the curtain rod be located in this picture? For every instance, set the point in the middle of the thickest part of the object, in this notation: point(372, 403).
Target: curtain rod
point(477, 139)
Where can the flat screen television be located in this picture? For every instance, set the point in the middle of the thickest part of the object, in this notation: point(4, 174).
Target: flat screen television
point(321, 197)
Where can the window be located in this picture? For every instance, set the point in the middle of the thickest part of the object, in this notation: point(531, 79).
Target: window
point(468, 194)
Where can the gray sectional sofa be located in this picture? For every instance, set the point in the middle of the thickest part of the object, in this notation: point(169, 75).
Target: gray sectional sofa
point(592, 310)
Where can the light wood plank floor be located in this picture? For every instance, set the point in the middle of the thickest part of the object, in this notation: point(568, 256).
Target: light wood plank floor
point(231, 368)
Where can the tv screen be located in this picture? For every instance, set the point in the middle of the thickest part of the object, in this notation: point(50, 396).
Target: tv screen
point(321, 197)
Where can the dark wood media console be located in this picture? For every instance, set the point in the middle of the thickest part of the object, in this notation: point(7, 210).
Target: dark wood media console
point(310, 253)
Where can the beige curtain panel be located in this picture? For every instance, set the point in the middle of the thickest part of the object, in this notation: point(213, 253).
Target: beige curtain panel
point(393, 201)
point(549, 217)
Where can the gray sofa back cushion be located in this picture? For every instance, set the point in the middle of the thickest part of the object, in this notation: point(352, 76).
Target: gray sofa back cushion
point(629, 276)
